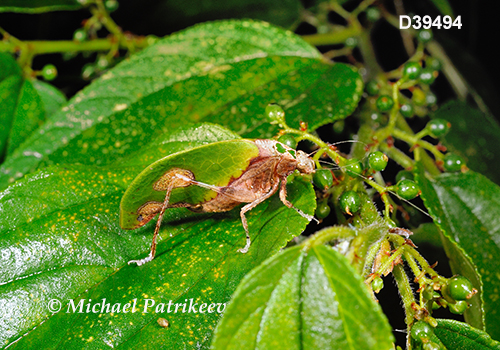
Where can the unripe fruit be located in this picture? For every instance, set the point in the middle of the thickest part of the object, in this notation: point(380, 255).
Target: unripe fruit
point(350, 202)
point(377, 160)
point(288, 140)
point(407, 189)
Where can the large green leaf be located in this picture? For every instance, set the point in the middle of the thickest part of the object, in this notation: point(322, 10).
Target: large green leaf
point(460, 336)
point(38, 6)
point(303, 299)
point(60, 239)
point(466, 207)
point(474, 136)
point(224, 72)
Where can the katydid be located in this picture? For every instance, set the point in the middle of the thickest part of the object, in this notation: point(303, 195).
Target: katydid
point(212, 178)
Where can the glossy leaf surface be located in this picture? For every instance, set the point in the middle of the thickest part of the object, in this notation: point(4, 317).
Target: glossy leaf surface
point(60, 239)
point(223, 72)
point(466, 207)
point(460, 336)
point(303, 299)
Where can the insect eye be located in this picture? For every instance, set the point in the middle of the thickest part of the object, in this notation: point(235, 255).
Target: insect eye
point(140, 218)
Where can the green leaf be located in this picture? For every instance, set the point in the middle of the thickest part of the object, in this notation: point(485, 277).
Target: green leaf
point(31, 110)
point(222, 72)
point(60, 239)
point(38, 6)
point(466, 207)
point(474, 136)
point(178, 15)
point(11, 82)
point(460, 336)
point(303, 299)
point(443, 6)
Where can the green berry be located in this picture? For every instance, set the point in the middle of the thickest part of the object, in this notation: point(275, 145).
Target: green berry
point(433, 63)
point(407, 189)
point(275, 114)
point(459, 307)
point(351, 42)
point(80, 35)
point(421, 330)
point(428, 292)
point(460, 288)
point(111, 5)
point(376, 117)
point(404, 175)
point(411, 70)
point(430, 99)
point(418, 97)
point(88, 71)
point(373, 14)
point(438, 127)
point(377, 284)
point(289, 140)
point(406, 110)
point(372, 88)
point(102, 62)
point(49, 72)
point(353, 167)
point(350, 202)
point(338, 126)
point(323, 179)
point(427, 76)
point(384, 103)
point(322, 210)
point(452, 163)
point(424, 36)
point(377, 160)
point(430, 345)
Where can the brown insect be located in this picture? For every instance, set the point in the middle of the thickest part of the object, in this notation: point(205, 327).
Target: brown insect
point(265, 174)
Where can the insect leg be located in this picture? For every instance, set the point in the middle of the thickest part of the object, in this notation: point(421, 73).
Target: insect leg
point(249, 207)
point(290, 205)
point(152, 251)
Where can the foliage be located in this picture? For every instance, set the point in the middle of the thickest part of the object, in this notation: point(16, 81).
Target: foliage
point(186, 100)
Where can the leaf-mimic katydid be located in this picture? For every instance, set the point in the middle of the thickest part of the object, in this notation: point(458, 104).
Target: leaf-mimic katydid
point(212, 178)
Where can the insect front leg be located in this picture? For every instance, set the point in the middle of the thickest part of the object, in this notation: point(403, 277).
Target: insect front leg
point(290, 205)
point(250, 206)
point(172, 179)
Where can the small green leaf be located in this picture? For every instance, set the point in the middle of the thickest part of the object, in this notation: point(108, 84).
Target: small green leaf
point(238, 68)
point(38, 6)
point(474, 136)
point(303, 300)
point(460, 336)
point(466, 207)
point(60, 239)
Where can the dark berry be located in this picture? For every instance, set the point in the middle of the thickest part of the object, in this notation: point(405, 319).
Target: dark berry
point(377, 160)
point(289, 140)
point(384, 103)
point(350, 202)
point(407, 189)
point(323, 179)
point(411, 70)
